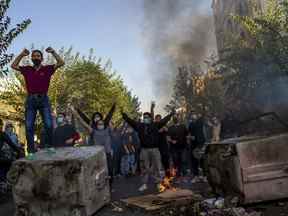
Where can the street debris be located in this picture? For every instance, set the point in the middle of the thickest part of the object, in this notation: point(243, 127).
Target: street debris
point(116, 207)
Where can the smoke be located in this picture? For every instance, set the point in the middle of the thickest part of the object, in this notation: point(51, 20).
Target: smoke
point(176, 33)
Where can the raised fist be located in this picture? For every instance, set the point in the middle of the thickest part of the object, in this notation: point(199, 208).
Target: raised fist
point(50, 50)
point(25, 52)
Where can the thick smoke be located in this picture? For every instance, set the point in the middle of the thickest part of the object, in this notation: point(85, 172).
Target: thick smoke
point(177, 33)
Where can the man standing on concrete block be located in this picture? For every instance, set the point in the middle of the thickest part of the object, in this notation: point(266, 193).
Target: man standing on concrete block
point(37, 78)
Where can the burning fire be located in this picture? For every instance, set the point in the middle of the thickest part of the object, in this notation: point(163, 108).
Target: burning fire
point(166, 183)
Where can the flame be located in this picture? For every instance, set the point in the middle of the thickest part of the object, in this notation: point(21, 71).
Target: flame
point(166, 183)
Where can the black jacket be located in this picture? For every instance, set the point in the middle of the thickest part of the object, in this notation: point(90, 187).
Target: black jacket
point(196, 129)
point(148, 133)
point(106, 120)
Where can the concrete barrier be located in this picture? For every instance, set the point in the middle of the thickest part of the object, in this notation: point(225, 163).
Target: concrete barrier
point(71, 182)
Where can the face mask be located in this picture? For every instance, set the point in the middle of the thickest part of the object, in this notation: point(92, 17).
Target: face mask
point(60, 120)
point(101, 127)
point(147, 121)
point(36, 62)
point(97, 118)
point(9, 130)
point(68, 120)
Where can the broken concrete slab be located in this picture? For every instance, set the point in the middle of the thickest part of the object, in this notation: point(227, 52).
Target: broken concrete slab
point(71, 182)
point(154, 202)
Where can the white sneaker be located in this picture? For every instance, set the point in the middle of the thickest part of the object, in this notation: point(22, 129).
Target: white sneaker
point(196, 179)
point(143, 188)
point(203, 179)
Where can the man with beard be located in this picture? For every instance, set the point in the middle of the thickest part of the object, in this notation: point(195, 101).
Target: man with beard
point(148, 135)
point(37, 79)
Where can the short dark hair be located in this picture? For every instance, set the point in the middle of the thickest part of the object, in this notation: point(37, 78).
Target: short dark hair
point(38, 51)
point(147, 114)
point(62, 113)
point(158, 116)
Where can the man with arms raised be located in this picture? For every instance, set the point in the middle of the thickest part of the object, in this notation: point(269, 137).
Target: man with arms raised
point(37, 78)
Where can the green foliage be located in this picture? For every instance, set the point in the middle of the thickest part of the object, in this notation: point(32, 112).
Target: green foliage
point(254, 66)
point(7, 35)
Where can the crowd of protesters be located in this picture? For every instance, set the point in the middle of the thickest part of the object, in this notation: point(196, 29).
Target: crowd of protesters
point(153, 146)
point(150, 147)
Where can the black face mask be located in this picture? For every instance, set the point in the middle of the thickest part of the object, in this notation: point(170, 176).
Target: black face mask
point(36, 62)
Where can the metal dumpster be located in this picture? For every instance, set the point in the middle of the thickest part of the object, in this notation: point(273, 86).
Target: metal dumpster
point(71, 182)
point(254, 169)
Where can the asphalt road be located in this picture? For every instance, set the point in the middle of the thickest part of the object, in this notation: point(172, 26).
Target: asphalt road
point(124, 188)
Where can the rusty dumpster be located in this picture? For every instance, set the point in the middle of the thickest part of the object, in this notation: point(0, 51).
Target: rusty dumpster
point(254, 169)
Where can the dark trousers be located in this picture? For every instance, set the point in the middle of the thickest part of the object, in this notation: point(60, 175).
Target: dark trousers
point(35, 103)
point(116, 162)
point(195, 163)
point(4, 169)
point(110, 168)
point(177, 158)
point(165, 159)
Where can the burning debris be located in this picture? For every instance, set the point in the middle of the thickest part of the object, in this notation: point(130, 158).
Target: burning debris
point(166, 183)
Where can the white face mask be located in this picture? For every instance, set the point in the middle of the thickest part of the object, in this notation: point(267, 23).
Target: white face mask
point(60, 120)
point(101, 127)
point(97, 118)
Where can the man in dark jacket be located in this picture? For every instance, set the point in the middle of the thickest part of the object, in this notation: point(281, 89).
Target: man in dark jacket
point(177, 138)
point(148, 135)
point(197, 137)
point(65, 134)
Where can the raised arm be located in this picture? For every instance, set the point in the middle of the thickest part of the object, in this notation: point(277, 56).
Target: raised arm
point(109, 115)
point(83, 116)
point(165, 120)
point(59, 61)
point(131, 122)
point(82, 122)
point(17, 60)
point(152, 109)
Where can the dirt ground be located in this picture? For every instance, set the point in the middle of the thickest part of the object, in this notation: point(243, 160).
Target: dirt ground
point(124, 188)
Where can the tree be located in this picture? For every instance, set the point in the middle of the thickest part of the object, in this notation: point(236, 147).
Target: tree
point(254, 67)
point(7, 35)
point(197, 90)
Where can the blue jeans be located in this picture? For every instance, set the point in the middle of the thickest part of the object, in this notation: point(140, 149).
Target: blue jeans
point(35, 103)
point(128, 164)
